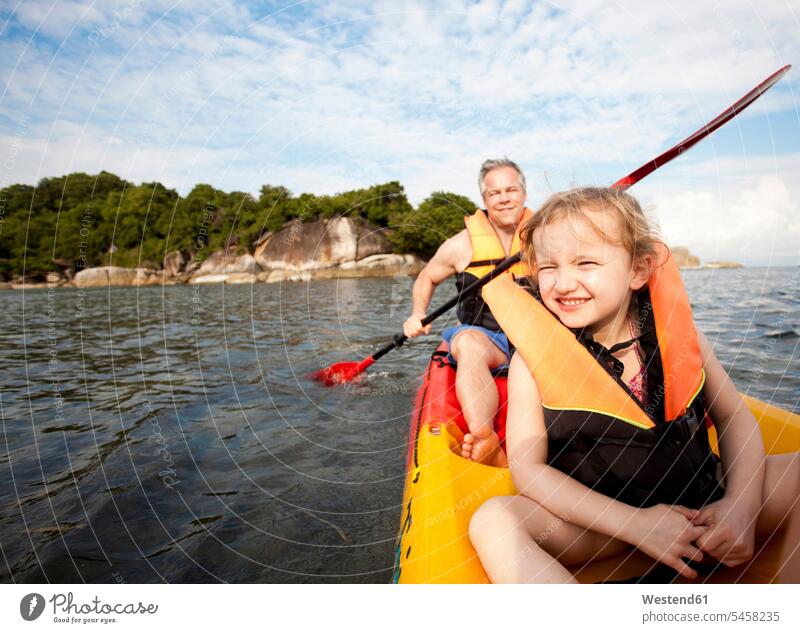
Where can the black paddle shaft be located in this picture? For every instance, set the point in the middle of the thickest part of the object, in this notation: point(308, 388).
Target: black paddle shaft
point(476, 285)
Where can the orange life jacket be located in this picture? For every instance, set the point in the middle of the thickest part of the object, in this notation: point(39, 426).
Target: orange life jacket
point(487, 252)
point(597, 431)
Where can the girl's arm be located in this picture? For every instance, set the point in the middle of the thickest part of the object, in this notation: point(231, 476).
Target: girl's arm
point(740, 446)
point(732, 520)
point(526, 443)
point(660, 531)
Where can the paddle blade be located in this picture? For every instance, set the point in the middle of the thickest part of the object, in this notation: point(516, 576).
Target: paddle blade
point(339, 373)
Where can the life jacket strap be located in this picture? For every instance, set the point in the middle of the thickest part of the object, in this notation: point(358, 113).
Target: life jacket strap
point(605, 355)
point(484, 262)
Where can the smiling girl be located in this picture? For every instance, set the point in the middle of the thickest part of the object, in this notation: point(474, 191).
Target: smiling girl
point(609, 392)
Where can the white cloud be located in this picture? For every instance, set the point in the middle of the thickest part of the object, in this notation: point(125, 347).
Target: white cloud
point(326, 97)
point(57, 19)
point(725, 210)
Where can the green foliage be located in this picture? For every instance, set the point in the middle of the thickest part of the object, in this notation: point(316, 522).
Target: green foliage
point(273, 205)
point(55, 220)
point(423, 230)
point(99, 220)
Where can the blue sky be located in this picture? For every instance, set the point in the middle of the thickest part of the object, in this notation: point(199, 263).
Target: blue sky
point(325, 97)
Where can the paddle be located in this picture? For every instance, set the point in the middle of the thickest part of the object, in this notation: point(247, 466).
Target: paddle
point(348, 370)
point(716, 123)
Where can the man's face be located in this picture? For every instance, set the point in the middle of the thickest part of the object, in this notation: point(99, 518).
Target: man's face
point(504, 197)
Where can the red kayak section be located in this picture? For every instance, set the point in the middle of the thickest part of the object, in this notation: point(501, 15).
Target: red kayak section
point(436, 400)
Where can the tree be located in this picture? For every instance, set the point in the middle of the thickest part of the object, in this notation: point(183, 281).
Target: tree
point(134, 221)
point(274, 206)
point(422, 231)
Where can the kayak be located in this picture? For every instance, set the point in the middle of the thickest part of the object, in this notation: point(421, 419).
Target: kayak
point(443, 490)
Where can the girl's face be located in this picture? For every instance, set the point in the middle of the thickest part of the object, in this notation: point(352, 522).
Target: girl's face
point(585, 279)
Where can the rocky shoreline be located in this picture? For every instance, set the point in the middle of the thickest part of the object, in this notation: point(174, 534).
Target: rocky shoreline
point(687, 261)
point(324, 249)
point(334, 248)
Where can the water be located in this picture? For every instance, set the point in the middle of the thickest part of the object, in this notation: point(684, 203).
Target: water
point(171, 434)
point(751, 316)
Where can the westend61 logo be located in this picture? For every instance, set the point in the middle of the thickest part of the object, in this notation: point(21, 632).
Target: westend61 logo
point(65, 609)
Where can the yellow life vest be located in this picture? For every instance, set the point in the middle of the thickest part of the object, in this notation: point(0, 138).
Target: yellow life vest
point(487, 249)
point(487, 252)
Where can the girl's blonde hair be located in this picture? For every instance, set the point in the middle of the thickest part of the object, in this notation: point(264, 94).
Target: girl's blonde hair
point(639, 237)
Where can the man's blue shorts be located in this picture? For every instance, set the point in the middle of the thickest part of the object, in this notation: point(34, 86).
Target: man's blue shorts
point(499, 339)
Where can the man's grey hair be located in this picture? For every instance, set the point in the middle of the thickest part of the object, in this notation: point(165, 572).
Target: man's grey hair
point(496, 163)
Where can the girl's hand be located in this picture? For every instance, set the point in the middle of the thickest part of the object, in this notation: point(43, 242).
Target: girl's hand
point(666, 533)
point(730, 532)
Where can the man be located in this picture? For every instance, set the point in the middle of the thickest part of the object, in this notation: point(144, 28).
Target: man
point(477, 345)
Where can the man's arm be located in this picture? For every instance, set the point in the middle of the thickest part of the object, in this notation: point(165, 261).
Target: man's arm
point(445, 263)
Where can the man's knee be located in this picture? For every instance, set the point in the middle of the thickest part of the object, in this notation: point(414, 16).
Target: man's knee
point(471, 345)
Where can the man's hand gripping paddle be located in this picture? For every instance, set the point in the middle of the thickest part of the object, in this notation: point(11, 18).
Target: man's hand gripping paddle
point(348, 370)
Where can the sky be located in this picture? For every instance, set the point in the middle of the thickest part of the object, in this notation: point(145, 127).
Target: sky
point(325, 97)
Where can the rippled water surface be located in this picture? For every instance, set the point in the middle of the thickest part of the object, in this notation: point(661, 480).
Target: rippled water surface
point(172, 434)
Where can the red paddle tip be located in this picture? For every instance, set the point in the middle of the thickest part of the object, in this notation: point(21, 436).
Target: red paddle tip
point(339, 373)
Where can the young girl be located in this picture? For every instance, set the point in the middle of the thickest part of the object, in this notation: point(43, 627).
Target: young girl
point(606, 437)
